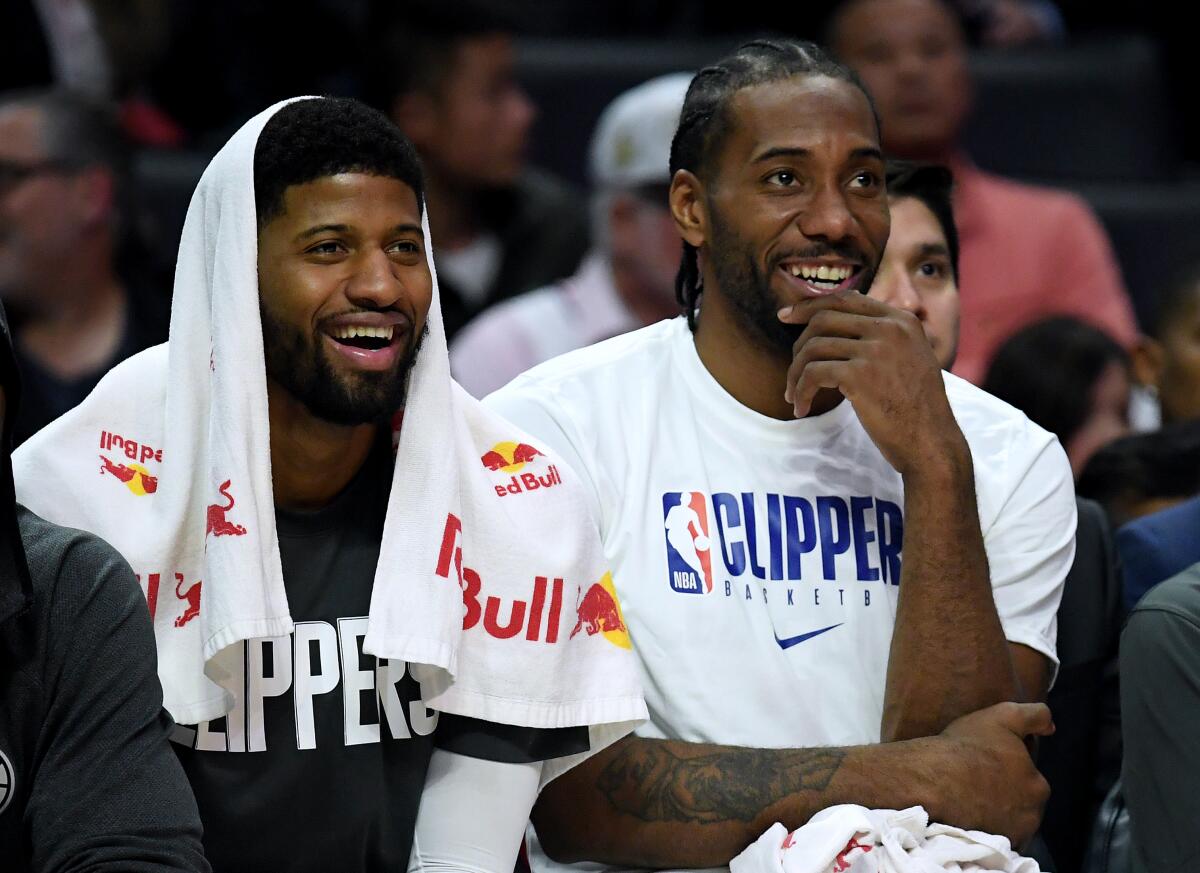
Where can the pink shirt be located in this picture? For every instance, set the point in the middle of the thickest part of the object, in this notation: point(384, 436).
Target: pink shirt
point(1028, 253)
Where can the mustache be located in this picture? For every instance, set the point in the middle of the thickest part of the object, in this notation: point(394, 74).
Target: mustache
point(845, 251)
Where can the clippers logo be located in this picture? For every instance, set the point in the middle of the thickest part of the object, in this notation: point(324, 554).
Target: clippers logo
point(192, 596)
point(136, 477)
point(8, 781)
point(689, 558)
point(599, 612)
point(218, 525)
point(512, 458)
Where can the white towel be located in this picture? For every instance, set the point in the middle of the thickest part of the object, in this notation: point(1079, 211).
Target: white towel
point(169, 460)
point(854, 839)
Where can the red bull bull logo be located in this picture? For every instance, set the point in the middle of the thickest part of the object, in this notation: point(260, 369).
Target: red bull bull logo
point(191, 596)
point(599, 612)
point(136, 477)
point(512, 458)
point(218, 524)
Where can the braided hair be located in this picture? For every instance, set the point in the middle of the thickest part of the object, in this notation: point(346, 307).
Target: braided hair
point(705, 121)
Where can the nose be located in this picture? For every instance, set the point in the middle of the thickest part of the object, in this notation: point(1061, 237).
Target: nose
point(898, 290)
point(826, 216)
point(376, 284)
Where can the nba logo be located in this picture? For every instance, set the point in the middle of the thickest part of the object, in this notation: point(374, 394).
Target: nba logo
point(685, 522)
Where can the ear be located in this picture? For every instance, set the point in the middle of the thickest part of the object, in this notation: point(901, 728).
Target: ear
point(415, 113)
point(1148, 362)
point(687, 207)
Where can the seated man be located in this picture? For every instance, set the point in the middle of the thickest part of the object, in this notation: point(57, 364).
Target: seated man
point(87, 777)
point(1160, 717)
point(1027, 252)
point(834, 559)
point(628, 279)
point(384, 608)
point(919, 269)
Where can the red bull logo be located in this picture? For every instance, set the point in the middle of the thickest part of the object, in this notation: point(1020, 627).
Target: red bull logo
point(599, 612)
point(218, 524)
point(136, 477)
point(191, 597)
point(512, 458)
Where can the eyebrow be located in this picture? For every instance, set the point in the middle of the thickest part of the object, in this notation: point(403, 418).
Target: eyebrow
point(796, 152)
point(319, 229)
point(930, 249)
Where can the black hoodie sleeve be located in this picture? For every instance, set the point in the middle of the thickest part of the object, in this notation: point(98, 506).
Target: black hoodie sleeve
point(107, 791)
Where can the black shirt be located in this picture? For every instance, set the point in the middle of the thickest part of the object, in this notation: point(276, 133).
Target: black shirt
point(321, 764)
point(87, 778)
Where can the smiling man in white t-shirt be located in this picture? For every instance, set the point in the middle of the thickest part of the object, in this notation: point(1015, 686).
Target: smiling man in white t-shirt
point(874, 552)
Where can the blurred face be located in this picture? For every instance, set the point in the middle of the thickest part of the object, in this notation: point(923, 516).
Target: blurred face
point(912, 56)
point(644, 242)
point(344, 290)
point(916, 275)
point(796, 207)
point(480, 117)
point(1108, 418)
point(1179, 380)
point(39, 215)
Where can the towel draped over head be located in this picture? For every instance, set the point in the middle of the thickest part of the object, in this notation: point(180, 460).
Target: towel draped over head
point(169, 460)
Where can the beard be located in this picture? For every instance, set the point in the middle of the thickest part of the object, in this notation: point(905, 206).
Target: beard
point(301, 366)
point(747, 288)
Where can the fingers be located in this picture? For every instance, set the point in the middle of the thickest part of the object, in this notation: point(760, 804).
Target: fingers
point(820, 348)
point(817, 375)
point(851, 302)
point(1025, 719)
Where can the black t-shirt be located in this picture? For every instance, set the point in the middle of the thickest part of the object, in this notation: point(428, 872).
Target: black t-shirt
point(321, 764)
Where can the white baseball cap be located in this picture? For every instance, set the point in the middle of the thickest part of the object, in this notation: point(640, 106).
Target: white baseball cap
point(632, 142)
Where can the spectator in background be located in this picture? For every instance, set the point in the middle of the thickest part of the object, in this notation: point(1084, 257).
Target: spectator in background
point(919, 270)
point(1167, 363)
point(627, 280)
point(1070, 378)
point(1144, 473)
point(1027, 252)
point(444, 73)
point(77, 308)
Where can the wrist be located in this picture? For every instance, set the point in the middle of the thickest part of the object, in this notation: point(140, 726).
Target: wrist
point(947, 465)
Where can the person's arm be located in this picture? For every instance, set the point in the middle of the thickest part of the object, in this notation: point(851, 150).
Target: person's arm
point(948, 654)
point(1160, 716)
point(666, 803)
point(473, 814)
point(108, 792)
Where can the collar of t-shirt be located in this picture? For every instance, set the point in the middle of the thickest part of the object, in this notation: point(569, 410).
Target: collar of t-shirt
point(473, 268)
point(724, 407)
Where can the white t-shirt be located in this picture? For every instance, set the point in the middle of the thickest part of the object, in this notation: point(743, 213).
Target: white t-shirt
point(757, 561)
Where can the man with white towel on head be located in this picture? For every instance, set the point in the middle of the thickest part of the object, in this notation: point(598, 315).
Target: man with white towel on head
point(382, 613)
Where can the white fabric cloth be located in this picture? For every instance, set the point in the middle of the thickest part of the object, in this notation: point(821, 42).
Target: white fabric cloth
point(853, 839)
point(509, 338)
point(757, 560)
point(184, 491)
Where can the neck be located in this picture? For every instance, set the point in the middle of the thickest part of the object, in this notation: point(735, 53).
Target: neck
point(647, 303)
point(753, 375)
point(312, 460)
point(452, 214)
point(78, 320)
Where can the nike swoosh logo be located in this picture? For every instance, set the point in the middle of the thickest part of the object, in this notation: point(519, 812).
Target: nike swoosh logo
point(792, 641)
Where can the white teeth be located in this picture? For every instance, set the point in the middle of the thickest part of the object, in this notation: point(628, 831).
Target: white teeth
point(795, 270)
point(356, 330)
point(822, 273)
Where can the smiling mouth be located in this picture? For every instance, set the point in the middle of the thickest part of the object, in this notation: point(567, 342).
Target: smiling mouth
point(363, 337)
point(813, 278)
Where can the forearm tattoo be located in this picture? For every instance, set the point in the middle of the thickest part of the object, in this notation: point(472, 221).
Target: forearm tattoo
point(650, 782)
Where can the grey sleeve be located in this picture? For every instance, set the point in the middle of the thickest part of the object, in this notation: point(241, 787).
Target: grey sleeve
point(107, 793)
point(1160, 714)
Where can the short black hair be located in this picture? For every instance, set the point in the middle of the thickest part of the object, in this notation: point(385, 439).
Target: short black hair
point(1047, 371)
point(413, 45)
point(705, 121)
point(933, 185)
point(310, 139)
point(1164, 464)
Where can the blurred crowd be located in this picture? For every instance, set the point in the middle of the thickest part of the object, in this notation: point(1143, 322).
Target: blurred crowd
point(1071, 292)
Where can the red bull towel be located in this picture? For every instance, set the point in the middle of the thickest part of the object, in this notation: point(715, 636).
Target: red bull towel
point(491, 580)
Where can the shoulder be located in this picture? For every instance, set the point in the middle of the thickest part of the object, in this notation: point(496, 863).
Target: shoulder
point(1168, 525)
point(1021, 201)
point(989, 423)
point(522, 314)
point(1177, 600)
